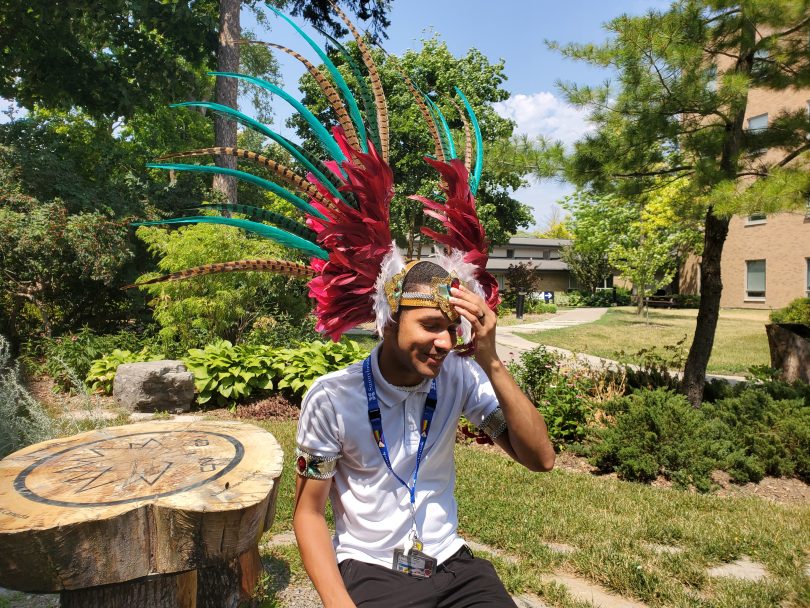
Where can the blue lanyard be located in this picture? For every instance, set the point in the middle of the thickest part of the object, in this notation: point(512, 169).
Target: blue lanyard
point(375, 418)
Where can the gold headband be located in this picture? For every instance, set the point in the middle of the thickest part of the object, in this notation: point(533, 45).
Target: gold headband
point(439, 296)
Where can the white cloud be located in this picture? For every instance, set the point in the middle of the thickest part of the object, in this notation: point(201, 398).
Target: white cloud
point(545, 114)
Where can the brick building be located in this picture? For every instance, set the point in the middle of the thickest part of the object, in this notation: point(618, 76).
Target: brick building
point(766, 258)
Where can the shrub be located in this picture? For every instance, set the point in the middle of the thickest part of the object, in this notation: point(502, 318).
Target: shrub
point(570, 299)
point(538, 306)
point(764, 435)
point(561, 398)
point(798, 311)
point(102, 371)
point(70, 356)
point(24, 419)
point(298, 368)
point(654, 433)
point(226, 373)
point(282, 330)
point(651, 433)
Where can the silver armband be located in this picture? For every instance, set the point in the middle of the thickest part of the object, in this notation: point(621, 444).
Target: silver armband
point(494, 424)
point(314, 467)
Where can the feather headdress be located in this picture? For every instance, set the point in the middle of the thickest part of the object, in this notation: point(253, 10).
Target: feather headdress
point(344, 195)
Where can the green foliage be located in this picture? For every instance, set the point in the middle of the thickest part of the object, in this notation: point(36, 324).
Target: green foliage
point(102, 371)
point(70, 356)
point(798, 311)
point(196, 312)
point(657, 432)
point(538, 306)
point(561, 397)
point(281, 330)
point(298, 368)
point(226, 373)
point(600, 298)
point(88, 54)
point(24, 419)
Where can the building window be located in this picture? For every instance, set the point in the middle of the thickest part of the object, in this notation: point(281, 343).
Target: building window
point(711, 78)
point(755, 279)
point(756, 218)
point(758, 123)
point(510, 253)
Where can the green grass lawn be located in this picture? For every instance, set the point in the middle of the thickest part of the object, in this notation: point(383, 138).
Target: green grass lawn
point(610, 523)
point(740, 341)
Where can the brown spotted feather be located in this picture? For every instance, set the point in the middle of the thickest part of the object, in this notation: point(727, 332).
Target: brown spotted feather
point(290, 269)
point(467, 136)
point(376, 83)
point(287, 175)
point(330, 92)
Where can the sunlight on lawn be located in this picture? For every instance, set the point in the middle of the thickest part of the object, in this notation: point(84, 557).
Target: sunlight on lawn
point(740, 341)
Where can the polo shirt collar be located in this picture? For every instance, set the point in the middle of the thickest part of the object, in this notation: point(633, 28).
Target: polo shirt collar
point(387, 393)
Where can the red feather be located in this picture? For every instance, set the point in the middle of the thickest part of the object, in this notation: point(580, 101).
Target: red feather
point(460, 220)
point(357, 241)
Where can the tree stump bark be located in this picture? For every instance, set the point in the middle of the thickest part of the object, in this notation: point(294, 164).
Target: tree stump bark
point(130, 506)
point(178, 590)
point(789, 344)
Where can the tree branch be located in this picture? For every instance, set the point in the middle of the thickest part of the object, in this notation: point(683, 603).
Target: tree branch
point(654, 173)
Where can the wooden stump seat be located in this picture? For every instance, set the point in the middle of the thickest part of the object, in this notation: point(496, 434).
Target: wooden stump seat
point(152, 514)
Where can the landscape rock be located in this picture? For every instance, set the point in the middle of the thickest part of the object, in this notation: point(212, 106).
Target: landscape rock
point(154, 386)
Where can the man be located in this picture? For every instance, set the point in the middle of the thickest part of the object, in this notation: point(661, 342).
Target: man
point(377, 439)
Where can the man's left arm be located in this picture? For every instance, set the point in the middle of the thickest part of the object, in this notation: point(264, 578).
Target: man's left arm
point(526, 437)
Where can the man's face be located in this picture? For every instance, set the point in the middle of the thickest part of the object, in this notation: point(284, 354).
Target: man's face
point(419, 343)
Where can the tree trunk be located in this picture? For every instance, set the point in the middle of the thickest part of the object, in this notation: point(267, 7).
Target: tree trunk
point(694, 373)
point(178, 590)
point(227, 91)
point(229, 583)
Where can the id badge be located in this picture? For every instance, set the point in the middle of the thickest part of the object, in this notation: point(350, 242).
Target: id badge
point(415, 563)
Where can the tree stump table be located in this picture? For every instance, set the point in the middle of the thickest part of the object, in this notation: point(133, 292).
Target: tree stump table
point(147, 515)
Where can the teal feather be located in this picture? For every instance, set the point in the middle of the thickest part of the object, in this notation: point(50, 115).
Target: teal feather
point(365, 92)
point(479, 144)
point(328, 142)
point(447, 139)
point(285, 143)
point(274, 234)
point(354, 111)
point(257, 213)
point(299, 203)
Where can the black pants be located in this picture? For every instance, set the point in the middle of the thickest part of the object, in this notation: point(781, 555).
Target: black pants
point(463, 581)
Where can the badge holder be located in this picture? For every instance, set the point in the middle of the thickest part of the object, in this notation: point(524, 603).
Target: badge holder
point(410, 559)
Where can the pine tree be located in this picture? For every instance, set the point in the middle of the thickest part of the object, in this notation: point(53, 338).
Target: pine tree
point(678, 114)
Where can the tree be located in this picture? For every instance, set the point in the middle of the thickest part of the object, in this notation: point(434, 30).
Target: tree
point(678, 113)
point(112, 57)
point(435, 70)
point(522, 277)
point(556, 226)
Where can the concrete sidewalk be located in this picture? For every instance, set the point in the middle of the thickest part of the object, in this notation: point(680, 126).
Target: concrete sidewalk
point(510, 346)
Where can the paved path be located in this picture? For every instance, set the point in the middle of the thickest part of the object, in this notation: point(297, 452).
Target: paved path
point(510, 346)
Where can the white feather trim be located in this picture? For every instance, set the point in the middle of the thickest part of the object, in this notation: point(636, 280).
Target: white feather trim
point(454, 263)
point(391, 264)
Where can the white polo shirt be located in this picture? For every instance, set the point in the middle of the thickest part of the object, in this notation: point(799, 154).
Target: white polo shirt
point(371, 508)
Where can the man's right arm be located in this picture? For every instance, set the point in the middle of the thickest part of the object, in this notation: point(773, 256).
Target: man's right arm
point(315, 543)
